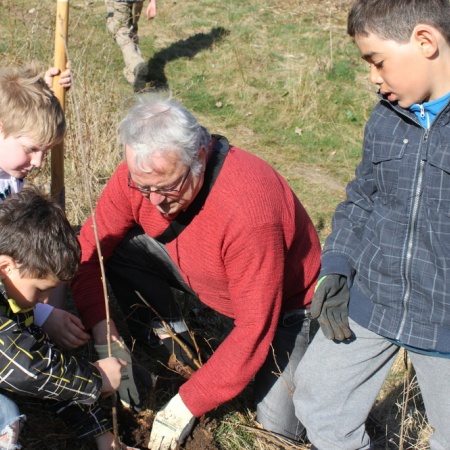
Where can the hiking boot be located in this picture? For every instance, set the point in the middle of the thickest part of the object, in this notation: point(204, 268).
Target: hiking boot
point(140, 77)
point(181, 369)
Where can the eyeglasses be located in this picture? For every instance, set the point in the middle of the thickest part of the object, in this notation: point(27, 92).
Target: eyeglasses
point(163, 191)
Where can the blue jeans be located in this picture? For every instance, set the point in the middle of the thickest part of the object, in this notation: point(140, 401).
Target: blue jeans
point(274, 383)
point(9, 414)
point(141, 264)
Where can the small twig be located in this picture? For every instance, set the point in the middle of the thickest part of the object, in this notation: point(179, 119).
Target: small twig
point(99, 252)
point(406, 395)
point(330, 36)
point(172, 334)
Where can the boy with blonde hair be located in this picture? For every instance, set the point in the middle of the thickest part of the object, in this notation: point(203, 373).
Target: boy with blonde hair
point(384, 282)
point(31, 122)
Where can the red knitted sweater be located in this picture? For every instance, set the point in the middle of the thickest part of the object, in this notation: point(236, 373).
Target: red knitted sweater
point(250, 253)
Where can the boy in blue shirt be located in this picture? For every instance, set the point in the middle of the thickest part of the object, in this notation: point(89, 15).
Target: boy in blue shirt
point(385, 278)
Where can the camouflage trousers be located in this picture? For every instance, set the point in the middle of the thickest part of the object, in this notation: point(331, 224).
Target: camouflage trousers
point(122, 23)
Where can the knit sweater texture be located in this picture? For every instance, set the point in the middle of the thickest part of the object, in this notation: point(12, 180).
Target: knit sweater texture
point(251, 253)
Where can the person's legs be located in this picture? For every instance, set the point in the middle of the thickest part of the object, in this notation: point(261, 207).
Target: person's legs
point(121, 22)
point(141, 268)
point(336, 386)
point(274, 383)
point(433, 375)
point(136, 10)
point(10, 424)
point(140, 70)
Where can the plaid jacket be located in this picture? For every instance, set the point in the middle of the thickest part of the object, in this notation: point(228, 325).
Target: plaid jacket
point(391, 236)
point(31, 365)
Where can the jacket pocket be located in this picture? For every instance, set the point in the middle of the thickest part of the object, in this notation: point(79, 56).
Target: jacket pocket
point(437, 180)
point(386, 159)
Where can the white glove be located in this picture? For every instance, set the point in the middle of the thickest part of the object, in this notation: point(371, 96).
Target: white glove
point(171, 425)
point(129, 395)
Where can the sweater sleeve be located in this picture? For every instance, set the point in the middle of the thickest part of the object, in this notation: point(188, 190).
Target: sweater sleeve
point(254, 263)
point(30, 365)
point(113, 218)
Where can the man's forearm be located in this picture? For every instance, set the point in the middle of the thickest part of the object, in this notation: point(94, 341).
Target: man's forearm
point(100, 332)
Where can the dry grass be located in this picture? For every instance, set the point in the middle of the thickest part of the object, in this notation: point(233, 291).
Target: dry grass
point(280, 79)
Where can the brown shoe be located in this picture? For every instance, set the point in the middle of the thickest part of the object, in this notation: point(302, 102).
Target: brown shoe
point(182, 369)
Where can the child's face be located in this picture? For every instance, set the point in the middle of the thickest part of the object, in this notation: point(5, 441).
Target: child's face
point(399, 70)
point(26, 292)
point(19, 155)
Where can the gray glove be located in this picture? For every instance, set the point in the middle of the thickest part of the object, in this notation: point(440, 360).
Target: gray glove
point(330, 306)
point(128, 391)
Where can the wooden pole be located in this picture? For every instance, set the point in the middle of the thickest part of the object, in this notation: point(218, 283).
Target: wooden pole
point(60, 61)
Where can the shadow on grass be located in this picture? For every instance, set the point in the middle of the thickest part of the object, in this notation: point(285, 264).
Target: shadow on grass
point(186, 48)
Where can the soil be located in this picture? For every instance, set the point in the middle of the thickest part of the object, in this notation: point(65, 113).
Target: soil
point(43, 430)
point(136, 427)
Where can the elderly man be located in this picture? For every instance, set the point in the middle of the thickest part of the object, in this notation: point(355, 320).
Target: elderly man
point(187, 212)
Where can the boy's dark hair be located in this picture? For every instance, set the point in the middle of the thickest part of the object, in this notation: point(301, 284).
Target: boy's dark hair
point(35, 233)
point(396, 19)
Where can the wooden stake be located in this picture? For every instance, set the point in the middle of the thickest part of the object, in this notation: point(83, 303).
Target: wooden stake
point(60, 61)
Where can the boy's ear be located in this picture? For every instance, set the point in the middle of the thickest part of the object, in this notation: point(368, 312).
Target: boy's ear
point(6, 265)
point(426, 37)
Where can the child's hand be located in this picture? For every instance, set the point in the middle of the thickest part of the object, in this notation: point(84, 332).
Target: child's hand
point(65, 79)
point(111, 370)
point(65, 329)
point(106, 442)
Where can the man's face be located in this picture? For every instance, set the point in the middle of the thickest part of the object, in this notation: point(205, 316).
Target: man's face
point(19, 155)
point(165, 173)
point(399, 70)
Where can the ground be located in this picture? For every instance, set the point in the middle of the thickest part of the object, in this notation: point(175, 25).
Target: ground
point(45, 431)
point(138, 427)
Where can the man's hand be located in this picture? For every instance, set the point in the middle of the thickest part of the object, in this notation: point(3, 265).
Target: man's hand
point(128, 392)
point(330, 306)
point(65, 329)
point(171, 425)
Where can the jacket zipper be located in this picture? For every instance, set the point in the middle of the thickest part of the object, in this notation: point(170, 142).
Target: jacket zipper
point(410, 241)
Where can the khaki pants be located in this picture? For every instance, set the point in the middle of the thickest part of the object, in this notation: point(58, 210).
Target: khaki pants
point(122, 22)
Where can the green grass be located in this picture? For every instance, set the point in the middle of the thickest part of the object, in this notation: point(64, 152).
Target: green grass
point(279, 79)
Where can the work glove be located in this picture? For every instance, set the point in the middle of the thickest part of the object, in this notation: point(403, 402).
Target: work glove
point(330, 306)
point(171, 426)
point(128, 392)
